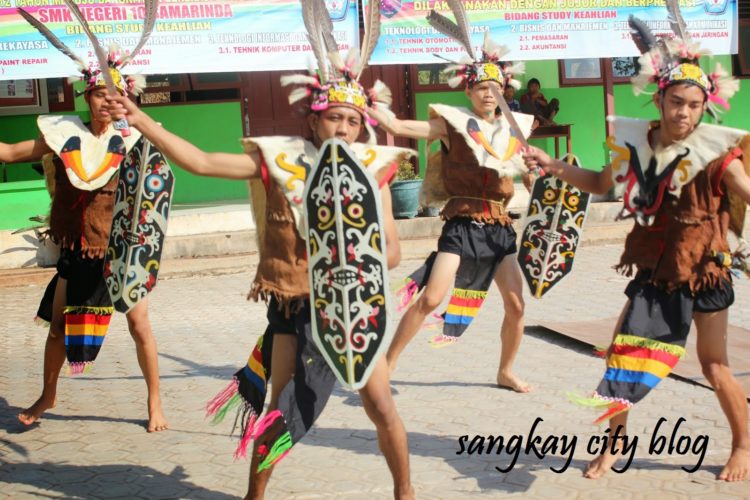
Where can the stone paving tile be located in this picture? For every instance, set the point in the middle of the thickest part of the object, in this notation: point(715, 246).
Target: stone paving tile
point(94, 444)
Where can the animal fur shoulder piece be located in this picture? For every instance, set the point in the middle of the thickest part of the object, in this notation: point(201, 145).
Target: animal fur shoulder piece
point(493, 144)
point(289, 159)
point(90, 161)
point(633, 158)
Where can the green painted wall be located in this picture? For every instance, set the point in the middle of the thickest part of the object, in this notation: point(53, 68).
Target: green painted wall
point(21, 200)
point(212, 127)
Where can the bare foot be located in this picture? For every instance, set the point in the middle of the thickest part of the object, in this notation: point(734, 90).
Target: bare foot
point(404, 493)
point(156, 420)
point(510, 381)
point(738, 466)
point(600, 466)
point(34, 412)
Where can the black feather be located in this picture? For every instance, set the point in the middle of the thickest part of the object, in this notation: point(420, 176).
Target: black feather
point(46, 33)
point(642, 35)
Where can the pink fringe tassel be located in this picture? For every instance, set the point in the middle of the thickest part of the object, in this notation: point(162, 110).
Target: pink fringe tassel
point(437, 320)
point(241, 451)
point(265, 423)
point(405, 294)
point(221, 399)
point(253, 430)
point(78, 368)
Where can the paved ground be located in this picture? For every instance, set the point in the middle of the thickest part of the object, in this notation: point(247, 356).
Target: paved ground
point(94, 443)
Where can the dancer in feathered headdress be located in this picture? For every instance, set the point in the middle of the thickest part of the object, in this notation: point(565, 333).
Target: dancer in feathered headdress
point(338, 106)
point(472, 179)
point(82, 159)
point(335, 81)
point(686, 184)
point(115, 58)
point(666, 62)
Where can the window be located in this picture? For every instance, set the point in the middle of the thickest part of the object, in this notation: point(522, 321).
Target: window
point(577, 72)
point(196, 87)
point(60, 95)
point(23, 97)
point(429, 77)
point(19, 93)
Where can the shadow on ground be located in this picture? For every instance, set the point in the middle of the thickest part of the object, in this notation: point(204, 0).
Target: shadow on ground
point(104, 481)
point(10, 424)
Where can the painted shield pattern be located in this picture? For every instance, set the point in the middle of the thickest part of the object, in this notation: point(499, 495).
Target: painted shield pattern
point(553, 228)
point(139, 225)
point(347, 266)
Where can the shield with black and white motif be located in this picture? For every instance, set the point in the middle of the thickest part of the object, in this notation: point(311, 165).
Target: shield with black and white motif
point(347, 264)
point(139, 225)
point(552, 230)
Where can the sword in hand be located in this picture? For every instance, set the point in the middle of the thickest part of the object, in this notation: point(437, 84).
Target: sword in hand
point(515, 128)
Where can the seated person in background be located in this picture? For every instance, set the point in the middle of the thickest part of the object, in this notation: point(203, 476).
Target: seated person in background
point(509, 93)
point(534, 103)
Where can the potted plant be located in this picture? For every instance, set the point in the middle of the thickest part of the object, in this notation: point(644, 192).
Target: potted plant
point(405, 191)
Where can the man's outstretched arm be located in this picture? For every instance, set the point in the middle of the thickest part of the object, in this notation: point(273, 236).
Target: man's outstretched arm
point(181, 152)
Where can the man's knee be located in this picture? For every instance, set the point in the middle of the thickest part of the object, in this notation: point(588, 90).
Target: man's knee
point(57, 326)
point(716, 372)
point(139, 328)
point(382, 413)
point(428, 303)
point(515, 307)
point(57, 330)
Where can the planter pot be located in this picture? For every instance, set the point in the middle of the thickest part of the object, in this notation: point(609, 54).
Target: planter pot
point(430, 212)
point(405, 195)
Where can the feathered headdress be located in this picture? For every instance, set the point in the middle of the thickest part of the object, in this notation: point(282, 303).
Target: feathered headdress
point(668, 62)
point(471, 70)
point(115, 58)
point(336, 81)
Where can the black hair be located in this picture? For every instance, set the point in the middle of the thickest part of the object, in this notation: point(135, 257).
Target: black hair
point(533, 80)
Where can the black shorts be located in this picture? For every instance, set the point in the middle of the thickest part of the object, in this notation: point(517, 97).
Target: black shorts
point(705, 301)
point(465, 237)
point(295, 323)
point(85, 277)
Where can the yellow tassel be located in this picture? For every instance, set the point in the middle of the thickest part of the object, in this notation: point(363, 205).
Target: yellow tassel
point(632, 340)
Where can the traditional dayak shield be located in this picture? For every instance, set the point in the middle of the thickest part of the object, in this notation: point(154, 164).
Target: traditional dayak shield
point(139, 225)
point(347, 265)
point(554, 223)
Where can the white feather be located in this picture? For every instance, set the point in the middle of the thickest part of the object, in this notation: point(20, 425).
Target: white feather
point(335, 59)
point(456, 81)
point(297, 94)
point(139, 83)
point(381, 92)
point(492, 49)
point(725, 84)
point(297, 80)
point(517, 68)
point(352, 59)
